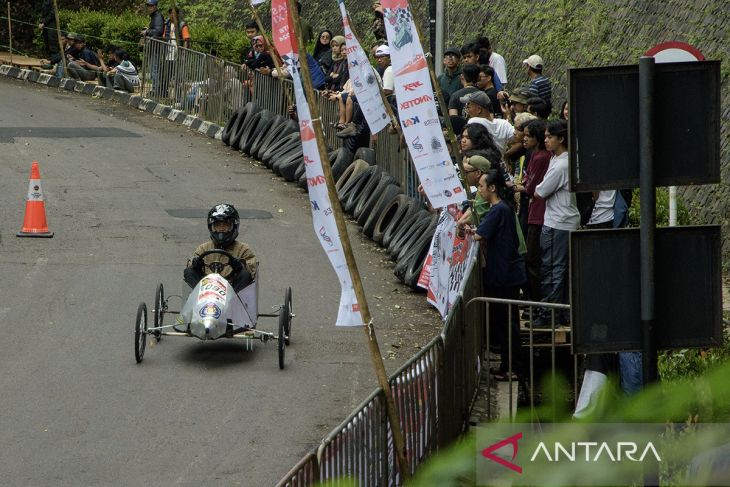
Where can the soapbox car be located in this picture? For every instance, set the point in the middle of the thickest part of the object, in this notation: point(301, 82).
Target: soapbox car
point(214, 310)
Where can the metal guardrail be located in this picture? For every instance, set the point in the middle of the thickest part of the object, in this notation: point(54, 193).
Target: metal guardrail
point(433, 393)
point(194, 82)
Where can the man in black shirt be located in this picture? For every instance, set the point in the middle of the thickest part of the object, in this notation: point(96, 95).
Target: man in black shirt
point(486, 84)
point(157, 50)
point(470, 77)
point(83, 64)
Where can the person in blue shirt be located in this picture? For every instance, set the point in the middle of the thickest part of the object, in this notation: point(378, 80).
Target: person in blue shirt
point(504, 270)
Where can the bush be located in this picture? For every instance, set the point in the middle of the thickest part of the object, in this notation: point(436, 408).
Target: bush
point(662, 209)
point(102, 29)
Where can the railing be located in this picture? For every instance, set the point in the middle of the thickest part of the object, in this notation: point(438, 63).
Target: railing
point(197, 83)
point(433, 393)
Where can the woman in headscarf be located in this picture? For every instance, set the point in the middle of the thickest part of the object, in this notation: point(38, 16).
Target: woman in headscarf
point(337, 73)
point(262, 59)
point(322, 49)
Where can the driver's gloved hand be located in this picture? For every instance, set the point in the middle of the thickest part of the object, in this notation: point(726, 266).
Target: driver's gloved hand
point(197, 263)
point(236, 265)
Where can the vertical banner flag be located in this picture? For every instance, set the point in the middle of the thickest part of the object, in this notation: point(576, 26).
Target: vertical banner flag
point(323, 217)
point(417, 110)
point(363, 79)
point(449, 260)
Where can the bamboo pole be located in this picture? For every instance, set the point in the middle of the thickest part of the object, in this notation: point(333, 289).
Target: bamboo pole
point(58, 36)
point(368, 328)
point(10, 34)
point(276, 55)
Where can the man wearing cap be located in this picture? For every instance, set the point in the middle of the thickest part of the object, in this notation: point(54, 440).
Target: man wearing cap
point(539, 84)
point(83, 64)
point(450, 79)
point(512, 104)
point(478, 107)
point(157, 23)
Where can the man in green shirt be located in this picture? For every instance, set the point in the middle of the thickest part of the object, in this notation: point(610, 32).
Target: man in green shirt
point(450, 79)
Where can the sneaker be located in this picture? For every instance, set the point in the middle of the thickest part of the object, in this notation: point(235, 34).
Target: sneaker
point(348, 131)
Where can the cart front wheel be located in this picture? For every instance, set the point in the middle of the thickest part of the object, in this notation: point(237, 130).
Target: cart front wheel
point(289, 312)
point(140, 332)
point(160, 308)
point(282, 339)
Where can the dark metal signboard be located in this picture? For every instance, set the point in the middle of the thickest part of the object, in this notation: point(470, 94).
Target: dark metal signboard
point(604, 125)
point(605, 289)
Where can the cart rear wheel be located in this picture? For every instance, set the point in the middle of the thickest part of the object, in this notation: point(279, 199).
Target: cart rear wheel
point(289, 312)
point(160, 308)
point(282, 339)
point(140, 332)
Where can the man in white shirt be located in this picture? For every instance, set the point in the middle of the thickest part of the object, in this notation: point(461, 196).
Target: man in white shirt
point(561, 217)
point(478, 108)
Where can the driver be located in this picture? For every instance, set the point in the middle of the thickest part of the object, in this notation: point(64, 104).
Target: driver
point(223, 221)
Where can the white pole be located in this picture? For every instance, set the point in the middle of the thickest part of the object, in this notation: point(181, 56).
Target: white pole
point(672, 206)
point(438, 56)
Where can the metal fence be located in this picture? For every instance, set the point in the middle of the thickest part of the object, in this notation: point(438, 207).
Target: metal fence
point(197, 83)
point(433, 393)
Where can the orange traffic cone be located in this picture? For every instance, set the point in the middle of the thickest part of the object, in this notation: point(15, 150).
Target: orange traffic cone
point(34, 224)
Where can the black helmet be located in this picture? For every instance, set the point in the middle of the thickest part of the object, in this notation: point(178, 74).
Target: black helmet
point(223, 213)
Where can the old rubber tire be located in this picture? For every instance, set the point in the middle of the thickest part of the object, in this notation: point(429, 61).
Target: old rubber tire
point(267, 125)
point(279, 128)
point(302, 181)
point(266, 151)
point(343, 159)
point(277, 138)
point(407, 228)
point(398, 246)
point(366, 192)
point(396, 227)
point(262, 125)
point(249, 132)
point(283, 146)
point(358, 192)
point(285, 158)
point(366, 154)
point(390, 192)
point(386, 214)
point(344, 193)
point(415, 259)
point(288, 170)
point(365, 206)
point(249, 109)
point(227, 130)
point(356, 168)
point(411, 241)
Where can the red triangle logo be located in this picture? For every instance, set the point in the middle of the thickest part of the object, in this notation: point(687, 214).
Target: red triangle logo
point(512, 440)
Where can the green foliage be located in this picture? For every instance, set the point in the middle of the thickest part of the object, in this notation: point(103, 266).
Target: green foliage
point(662, 209)
point(101, 29)
point(677, 403)
point(688, 364)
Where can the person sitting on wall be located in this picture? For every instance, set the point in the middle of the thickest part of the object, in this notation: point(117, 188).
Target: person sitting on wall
point(83, 64)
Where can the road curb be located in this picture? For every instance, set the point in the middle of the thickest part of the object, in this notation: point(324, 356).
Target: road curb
point(147, 105)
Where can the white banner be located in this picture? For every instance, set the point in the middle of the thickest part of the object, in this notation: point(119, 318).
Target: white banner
point(449, 260)
point(363, 79)
point(257, 2)
point(322, 216)
point(417, 110)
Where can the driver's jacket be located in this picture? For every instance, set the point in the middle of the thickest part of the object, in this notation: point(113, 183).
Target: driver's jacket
point(238, 249)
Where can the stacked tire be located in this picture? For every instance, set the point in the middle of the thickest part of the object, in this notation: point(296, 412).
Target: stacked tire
point(370, 195)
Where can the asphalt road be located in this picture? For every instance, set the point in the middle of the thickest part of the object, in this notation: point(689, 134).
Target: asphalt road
point(75, 407)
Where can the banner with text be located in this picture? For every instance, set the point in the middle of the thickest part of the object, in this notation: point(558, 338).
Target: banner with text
point(417, 110)
point(323, 217)
point(449, 261)
point(363, 79)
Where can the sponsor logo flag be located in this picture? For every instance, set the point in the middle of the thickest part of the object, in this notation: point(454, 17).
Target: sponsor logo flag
point(363, 79)
point(417, 109)
point(323, 218)
point(449, 260)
